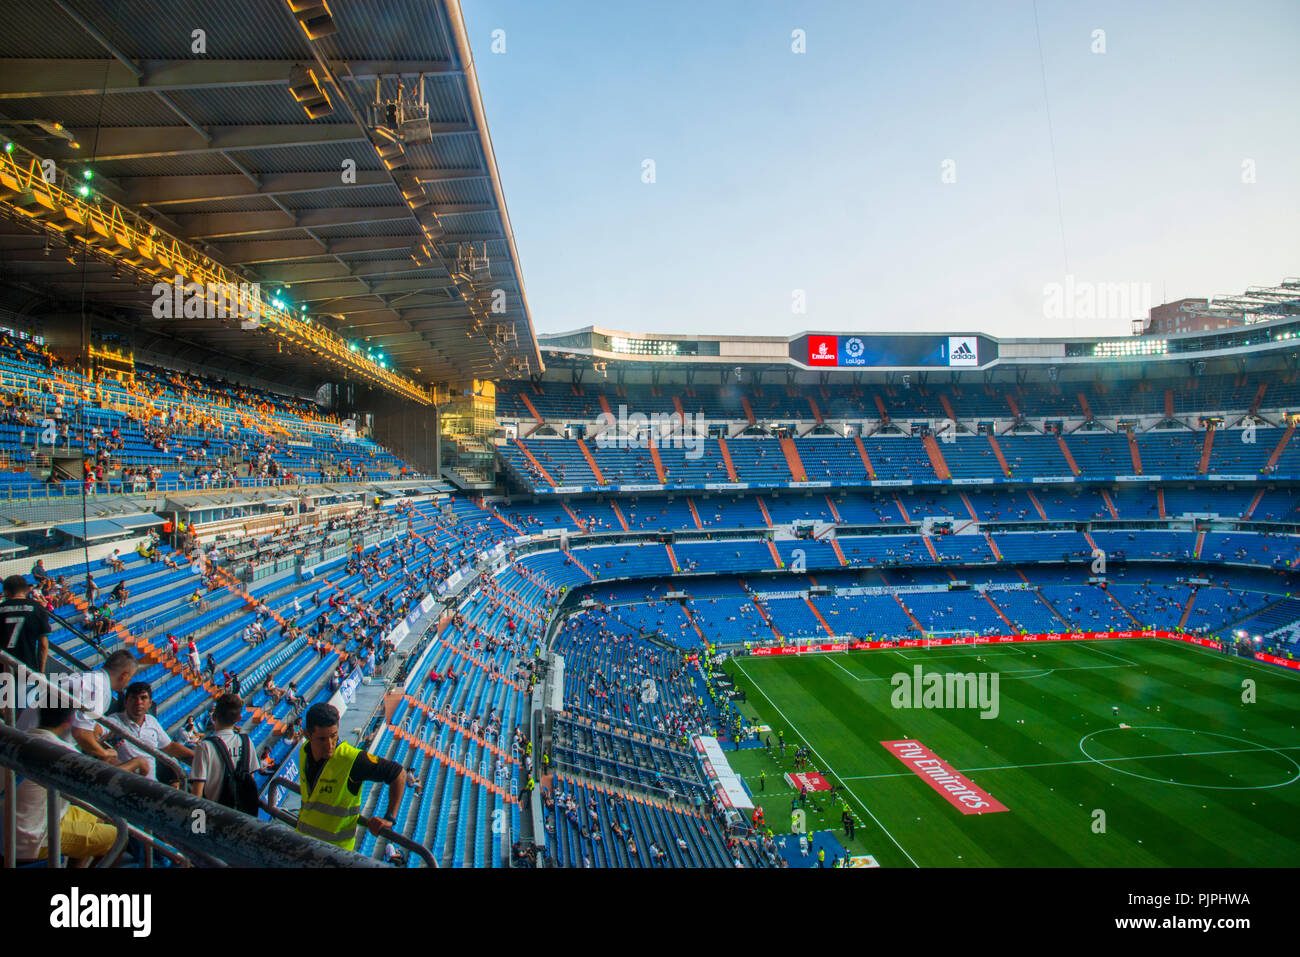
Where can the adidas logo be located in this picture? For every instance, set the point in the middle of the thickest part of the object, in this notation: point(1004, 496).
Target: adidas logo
point(963, 351)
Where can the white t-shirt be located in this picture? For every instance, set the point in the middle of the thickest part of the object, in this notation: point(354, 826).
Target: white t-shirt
point(208, 766)
point(33, 807)
point(151, 732)
point(92, 688)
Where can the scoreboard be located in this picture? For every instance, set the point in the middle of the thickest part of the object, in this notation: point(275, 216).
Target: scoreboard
point(832, 351)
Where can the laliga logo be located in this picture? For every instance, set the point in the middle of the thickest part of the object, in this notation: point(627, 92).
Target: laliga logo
point(854, 347)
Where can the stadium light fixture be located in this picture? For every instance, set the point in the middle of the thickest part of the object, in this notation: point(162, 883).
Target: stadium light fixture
point(307, 91)
point(315, 17)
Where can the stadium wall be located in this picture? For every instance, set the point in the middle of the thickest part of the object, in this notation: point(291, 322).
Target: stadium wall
point(408, 430)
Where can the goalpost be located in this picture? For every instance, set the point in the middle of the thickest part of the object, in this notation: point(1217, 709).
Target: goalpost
point(935, 638)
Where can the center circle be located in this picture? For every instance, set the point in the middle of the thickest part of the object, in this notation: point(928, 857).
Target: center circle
point(1114, 764)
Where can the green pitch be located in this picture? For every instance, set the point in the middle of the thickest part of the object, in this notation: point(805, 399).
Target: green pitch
point(1200, 779)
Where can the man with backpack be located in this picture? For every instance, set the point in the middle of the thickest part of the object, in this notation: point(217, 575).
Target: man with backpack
point(224, 761)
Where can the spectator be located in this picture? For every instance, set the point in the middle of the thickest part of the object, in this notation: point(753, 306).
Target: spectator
point(190, 733)
point(82, 836)
point(224, 753)
point(27, 625)
point(330, 775)
point(92, 688)
point(143, 725)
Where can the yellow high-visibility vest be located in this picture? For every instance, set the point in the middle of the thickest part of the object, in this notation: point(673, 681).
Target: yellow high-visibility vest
point(329, 813)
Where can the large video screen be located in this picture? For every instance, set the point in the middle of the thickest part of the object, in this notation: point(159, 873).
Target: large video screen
point(840, 351)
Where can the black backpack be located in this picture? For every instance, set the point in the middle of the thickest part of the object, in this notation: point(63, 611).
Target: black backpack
point(238, 787)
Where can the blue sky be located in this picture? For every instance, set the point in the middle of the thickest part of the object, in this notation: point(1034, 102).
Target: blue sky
point(823, 171)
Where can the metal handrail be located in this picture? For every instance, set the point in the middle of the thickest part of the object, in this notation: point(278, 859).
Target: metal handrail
point(393, 837)
point(60, 489)
point(8, 662)
point(228, 837)
point(76, 632)
point(119, 842)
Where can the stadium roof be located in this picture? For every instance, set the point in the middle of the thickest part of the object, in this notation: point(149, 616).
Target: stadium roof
point(215, 149)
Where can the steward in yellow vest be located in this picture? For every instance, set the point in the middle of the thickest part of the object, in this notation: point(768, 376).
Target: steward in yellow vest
point(330, 775)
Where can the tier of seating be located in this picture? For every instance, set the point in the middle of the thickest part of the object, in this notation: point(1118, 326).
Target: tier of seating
point(731, 610)
point(899, 507)
point(555, 401)
point(542, 464)
point(591, 826)
point(162, 430)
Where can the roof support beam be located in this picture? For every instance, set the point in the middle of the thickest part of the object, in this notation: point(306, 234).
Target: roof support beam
point(286, 250)
point(27, 78)
point(141, 142)
point(307, 273)
point(347, 288)
point(215, 225)
point(166, 190)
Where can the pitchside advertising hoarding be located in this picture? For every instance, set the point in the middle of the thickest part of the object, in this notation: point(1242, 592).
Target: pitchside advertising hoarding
point(852, 644)
point(849, 644)
point(892, 351)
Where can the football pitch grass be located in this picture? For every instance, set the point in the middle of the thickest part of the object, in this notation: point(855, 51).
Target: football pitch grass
point(1200, 779)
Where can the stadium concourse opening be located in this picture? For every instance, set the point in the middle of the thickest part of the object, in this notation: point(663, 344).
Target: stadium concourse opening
point(307, 533)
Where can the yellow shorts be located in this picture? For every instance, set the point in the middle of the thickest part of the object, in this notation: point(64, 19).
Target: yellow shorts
point(81, 834)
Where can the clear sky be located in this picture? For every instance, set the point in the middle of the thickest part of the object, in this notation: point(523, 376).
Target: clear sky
point(824, 171)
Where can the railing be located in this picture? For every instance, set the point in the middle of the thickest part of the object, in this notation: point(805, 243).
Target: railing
point(60, 489)
point(67, 489)
point(393, 837)
point(228, 837)
point(18, 670)
point(576, 752)
point(665, 794)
